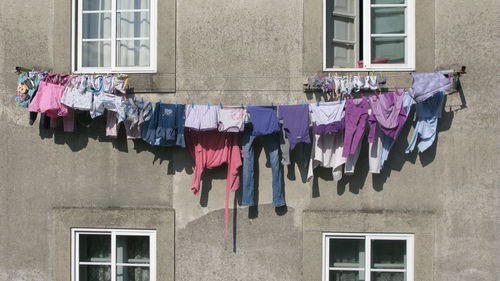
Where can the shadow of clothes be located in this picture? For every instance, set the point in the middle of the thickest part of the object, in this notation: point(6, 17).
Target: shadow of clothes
point(299, 158)
point(207, 178)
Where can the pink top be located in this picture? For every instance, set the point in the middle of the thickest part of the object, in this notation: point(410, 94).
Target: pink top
point(211, 149)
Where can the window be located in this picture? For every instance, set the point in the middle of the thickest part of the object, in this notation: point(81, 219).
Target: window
point(369, 35)
point(114, 36)
point(113, 255)
point(367, 257)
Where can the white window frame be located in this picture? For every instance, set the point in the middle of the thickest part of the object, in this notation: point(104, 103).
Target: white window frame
point(368, 237)
point(76, 42)
point(75, 232)
point(367, 64)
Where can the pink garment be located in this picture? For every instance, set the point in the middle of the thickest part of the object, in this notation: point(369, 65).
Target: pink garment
point(211, 149)
point(48, 100)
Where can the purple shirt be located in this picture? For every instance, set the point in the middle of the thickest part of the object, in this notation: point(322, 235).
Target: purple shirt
point(264, 120)
point(296, 123)
point(356, 114)
point(388, 113)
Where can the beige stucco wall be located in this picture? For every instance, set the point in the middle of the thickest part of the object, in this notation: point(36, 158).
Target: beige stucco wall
point(253, 52)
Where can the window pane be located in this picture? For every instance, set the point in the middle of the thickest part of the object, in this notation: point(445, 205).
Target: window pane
point(388, 50)
point(96, 54)
point(95, 248)
point(347, 275)
point(389, 254)
point(96, 26)
point(132, 52)
point(132, 24)
point(388, 1)
point(343, 6)
point(132, 4)
point(132, 273)
point(347, 253)
point(93, 5)
point(388, 276)
point(388, 20)
point(132, 249)
point(95, 273)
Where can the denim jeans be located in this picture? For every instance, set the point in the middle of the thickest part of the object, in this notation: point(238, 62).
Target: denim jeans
point(272, 144)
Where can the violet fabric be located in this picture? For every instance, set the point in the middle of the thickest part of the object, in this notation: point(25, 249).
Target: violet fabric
point(425, 85)
point(388, 113)
point(329, 128)
point(356, 115)
point(296, 123)
point(264, 120)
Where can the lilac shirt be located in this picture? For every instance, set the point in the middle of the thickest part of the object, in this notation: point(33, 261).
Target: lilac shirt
point(264, 120)
point(356, 114)
point(425, 85)
point(296, 123)
point(388, 113)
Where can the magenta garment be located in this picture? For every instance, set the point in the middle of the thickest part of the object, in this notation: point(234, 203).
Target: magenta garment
point(388, 113)
point(296, 123)
point(329, 128)
point(356, 115)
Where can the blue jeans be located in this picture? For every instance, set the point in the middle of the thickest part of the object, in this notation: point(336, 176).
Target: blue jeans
point(272, 144)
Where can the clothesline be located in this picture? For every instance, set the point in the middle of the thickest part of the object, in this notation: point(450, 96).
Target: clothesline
point(218, 134)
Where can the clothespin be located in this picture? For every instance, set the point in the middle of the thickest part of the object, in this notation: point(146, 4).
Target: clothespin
point(317, 102)
point(208, 104)
point(192, 104)
point(175, 102)
point(303, 102)
point(220, 104)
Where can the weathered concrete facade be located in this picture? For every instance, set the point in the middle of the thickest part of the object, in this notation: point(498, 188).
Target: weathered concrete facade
point(252, 52)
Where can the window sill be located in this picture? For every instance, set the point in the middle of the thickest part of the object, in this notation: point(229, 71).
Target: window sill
point(121, 71)
point(409, 69)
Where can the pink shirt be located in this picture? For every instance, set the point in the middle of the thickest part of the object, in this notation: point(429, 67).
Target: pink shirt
point(211, 149)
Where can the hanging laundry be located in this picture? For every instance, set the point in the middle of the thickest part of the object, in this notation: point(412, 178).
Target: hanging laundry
point(212, 149)
point(231, 119)
point(425, 85)
point(76, 94)
point(26, 88)
point(295, 123)
point(427, 112)
point(264, 120)
point(328, 117)
point(272, 143)
point(356, 115)
point(387, 113)
point(48, 100)
point(136, 113)
point(388, 142)
point(166, 126)
point(201, 117)
point(327, 152)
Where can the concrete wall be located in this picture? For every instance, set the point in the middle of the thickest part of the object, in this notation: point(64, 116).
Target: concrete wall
point(255, 52)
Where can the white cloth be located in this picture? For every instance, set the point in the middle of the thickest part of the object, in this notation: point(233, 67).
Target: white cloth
point(111, 103)
point(75, 99)
point(231, 119)
point(326, 113)
point(327, 152)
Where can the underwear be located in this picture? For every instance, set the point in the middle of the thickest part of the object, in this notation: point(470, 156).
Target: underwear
point(231, 119)
point(201, 117)
point(75, 99)
point(110, 102)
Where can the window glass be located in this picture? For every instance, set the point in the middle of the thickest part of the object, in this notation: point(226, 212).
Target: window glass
point(347, 276)
point(94, 5)
point(133, 52)
point(388, 20)
point(95, 248)
point(132, 4)
point(132, 24)
point(95, 273)
point(96, 54)
point(388, 49)
point(132, 273)
point(388, 254)
point(96, 26)
point(347, 253)
point(132, 249)
point(388, 276)
point(388, 1)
